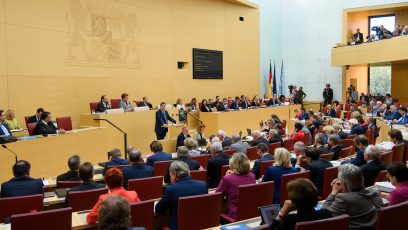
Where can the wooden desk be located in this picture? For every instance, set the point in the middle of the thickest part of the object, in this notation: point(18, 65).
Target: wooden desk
point(48, 155)
point(385, 128)
point(236, 121)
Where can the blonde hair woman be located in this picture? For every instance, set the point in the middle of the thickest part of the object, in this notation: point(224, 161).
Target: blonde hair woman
point(239, 174)
point(281, 166)
point(11, 120)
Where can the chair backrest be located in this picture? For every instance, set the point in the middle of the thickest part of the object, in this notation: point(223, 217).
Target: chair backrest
point(392, 217)
point(202, 159)
point(67, 184)
point(382, 176)
point(199, 175)
point(230, 151)
point(330, 174)
point(26, 118)
point(288, 144)
point(338, 113)
point(252, 153)
point(117, 166)
point(64, 123)
point(85, 200)
point(398, 153)
point(351, 137)
point(324, 110)
point(369, 134)
point(288, 177)
point(60, 219)
point(224, 170)
point(348, 114)
point(334, 223)
point(93, 106)
point(161, 167)
point(264, 165)
point(147, 188)
point(207, 211)
point(347, 143)
point(327, 156)
point(142, 214)
point(253, 196)
point(345, 152)
point(115, 103)
point(30, 128)
point(386, 157)
point(21, 204)
point(272, 148)
point(306, 139)
point(314, 135)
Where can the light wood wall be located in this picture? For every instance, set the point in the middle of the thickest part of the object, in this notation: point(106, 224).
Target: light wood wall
point(399, 81)
point(60, 55)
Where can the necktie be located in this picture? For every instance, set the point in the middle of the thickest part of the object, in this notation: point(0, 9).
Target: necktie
point(165, 118)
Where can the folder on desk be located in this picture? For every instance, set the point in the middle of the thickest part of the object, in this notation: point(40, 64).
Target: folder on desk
point(235, 227)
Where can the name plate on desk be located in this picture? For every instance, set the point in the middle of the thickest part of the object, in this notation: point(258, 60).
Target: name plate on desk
point(111, 111)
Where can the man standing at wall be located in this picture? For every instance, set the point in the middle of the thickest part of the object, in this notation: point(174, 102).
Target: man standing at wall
point(327, 95)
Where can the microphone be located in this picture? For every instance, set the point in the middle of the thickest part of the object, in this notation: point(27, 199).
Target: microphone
point(14, 153)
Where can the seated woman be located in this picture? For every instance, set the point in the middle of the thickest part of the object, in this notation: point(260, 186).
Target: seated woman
point(303, 197)
point(397, 173)
point(239, 174)
point(200, 136)
point(298, 133)
point(181, 108)
point(349, 197)
point(114, 180)
point(11, 120)
point(205, 107)
point(255, 102)
point(282, 99)
point(336, 105)
point(280, 167)
point(125, 103)
point(193, 104)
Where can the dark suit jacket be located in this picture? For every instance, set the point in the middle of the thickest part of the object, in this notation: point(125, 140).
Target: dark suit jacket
point(360, 36)
point(255, 104)
point(183, 187)
point(226, 142)
point(342, 135)
point(317, 168)
point(331, 113)
point(221, 107)
point(192, 165)
point(289, 221)
point(371, 170)
point(161, 120)
point(260, 140)
point(273, 102)
point(205, 108)
point(336, 150)
point(1, 130)
point(321, 149)
point(180, 140)
point(276, 140)
point(33, 119)
point(357, 129)
point(257, 164)
point(101, 107)
point(115, 161)
point(142, 103)
point(21, 186)
point(136, 171)
point(394, 115)
point(41, 128)
point(305, 116)
point(244, 105)
point(214, 168)
point(234, 105)
point(159, 156)
point(85, 185)
point(71, 175)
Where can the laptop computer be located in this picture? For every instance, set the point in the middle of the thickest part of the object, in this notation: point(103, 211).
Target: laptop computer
point(269, 213)
point(61, 192)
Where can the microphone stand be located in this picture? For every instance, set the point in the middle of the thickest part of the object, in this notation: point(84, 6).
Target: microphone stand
point(14, 153)
point(124, 133)
point(198, 119)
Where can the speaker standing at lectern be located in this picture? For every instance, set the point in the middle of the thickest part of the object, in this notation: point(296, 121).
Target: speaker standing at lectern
point(162, 118)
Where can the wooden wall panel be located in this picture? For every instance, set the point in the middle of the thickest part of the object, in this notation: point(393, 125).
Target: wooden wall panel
point(399, 81)
point(63, 54)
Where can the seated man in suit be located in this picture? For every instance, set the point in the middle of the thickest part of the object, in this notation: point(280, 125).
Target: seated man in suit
point(223, 106)
point(355, 127)
point(245, 102)
point(138, 169)
point(226, 141)
point(274, 137)
point(373, 167)
point(263, 153)
point(304, 115)
point(358, 37)
point(37, 117)
point(214, 166)
point(403, 120)
point(182, 155)
point(158, 155)
point(397, 138)
point(299, 150)
point(72, 175)
point(238, 145)
point(338, 131)
point(45, 126)
point(145, 102)
point(162, 118)
point(235, 104)
point(258, 138)
point(114, 159)
point(334, 146)
point(182, 185)
point(316, 166)
point(103, 105)
point(22, 184)
point(86, 174)
point(361, 142)
point(182, 136)
point(394, 114)
point(4, 130)
point(320, 139)
point(331, 112)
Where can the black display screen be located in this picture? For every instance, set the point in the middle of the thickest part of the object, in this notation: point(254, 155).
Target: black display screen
point(207, 64)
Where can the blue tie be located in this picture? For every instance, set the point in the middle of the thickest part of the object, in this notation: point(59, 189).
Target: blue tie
point(165, 118)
